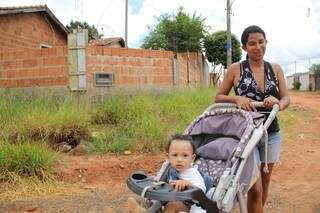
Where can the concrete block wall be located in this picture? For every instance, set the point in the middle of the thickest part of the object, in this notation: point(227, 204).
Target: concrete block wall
point(34, 68)
point(195, 69)
point(28, 31)
point(130, 67)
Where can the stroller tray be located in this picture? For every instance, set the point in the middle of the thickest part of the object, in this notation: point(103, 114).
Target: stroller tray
point(141, 184)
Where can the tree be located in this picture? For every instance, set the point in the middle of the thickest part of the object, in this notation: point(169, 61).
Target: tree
point(215, 46)
point(179, 33)
point(315, 68)
point(92, 30)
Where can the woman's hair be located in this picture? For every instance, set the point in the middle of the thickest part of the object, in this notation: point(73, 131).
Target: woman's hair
point(180, 137)
point(251, 29)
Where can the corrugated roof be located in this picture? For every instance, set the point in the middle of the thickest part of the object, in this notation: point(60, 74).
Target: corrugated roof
point(35, 9)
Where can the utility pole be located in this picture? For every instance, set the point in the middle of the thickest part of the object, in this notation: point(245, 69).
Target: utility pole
point(229, 44)
point(126, 25)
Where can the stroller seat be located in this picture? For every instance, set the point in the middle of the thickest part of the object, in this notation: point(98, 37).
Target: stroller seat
point(138, 182)
point(225, 138)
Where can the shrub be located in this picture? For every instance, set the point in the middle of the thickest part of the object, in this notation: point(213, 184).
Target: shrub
point(296, 85)
point(26, 160)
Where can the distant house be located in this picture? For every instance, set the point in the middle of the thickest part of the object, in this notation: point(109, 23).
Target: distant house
point(307, 80)
point(116, 42)
point(30, 27)
point(290, 81)
point(304, 79)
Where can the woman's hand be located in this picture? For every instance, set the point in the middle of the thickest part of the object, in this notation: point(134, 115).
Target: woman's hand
point(245, 103)
point(180, 185)
point(270, 101)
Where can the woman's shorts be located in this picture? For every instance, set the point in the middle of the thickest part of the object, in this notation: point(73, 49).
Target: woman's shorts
point(274, 148)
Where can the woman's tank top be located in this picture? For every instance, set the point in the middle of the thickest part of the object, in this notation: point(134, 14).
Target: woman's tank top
point(247, 86)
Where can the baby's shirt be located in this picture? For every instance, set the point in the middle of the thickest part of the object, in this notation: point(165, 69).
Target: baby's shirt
point(193, 175)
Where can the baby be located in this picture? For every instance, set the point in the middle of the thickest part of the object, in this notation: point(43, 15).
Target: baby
point(181, 153)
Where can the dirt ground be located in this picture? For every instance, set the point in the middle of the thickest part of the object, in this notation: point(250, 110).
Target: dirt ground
point(98, 183)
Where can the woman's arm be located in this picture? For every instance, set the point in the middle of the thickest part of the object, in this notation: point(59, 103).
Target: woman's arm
point(284, 95)
point(225, 87)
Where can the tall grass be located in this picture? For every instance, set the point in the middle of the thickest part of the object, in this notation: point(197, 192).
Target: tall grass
point(145, 121)
point(141, 121)
point(24, 116)
point(26, 160)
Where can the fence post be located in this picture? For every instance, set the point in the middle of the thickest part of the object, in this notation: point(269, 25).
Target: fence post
point(175, 72)
point(77, 43)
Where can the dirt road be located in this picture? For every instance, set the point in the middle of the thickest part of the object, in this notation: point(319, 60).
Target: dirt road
point(97, 184)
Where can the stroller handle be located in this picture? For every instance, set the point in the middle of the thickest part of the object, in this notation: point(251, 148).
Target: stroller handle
point(271, 117)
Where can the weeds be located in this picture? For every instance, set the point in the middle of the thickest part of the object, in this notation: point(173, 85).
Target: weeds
point(140, 121)
point(26, 160)
point(143, 122)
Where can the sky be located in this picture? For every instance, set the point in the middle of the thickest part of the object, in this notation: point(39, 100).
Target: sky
point(292, 26)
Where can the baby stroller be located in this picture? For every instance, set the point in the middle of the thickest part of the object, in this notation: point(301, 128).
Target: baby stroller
point(225, 137)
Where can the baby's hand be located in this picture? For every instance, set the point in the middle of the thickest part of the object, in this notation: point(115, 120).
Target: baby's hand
point(180, 185)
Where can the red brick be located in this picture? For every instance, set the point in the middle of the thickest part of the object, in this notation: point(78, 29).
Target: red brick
point(98, 50)
point(123, 52)
point(106, 51)
point(60, 51)
point(146, 53)
point(168, 54)
point(130, 52)
point(30, 63)
point(115, 51)
point(44, 52)
point(52, 51)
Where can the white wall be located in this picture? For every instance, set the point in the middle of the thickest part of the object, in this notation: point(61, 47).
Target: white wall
point(304, 80)
point(289, 81)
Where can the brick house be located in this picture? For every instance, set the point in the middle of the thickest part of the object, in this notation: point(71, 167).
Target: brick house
point(30, 27)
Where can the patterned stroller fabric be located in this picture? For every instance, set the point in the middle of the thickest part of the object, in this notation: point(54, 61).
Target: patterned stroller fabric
point(226, 139)
point(220, 136)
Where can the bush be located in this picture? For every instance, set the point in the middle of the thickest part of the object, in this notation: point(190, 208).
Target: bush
point(296, 85)
point(26, 160)
point(33, 118)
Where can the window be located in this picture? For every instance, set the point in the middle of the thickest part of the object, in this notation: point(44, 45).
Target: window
point(45, 46)
point(103, 79)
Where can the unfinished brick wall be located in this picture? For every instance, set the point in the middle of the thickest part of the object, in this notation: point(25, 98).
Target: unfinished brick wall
point(34, 67)
point(194, 69)
point(28, 31)
point(130, 67)
point(137, 67)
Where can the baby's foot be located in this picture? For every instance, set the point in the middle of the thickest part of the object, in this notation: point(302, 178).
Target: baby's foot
point(133, 206)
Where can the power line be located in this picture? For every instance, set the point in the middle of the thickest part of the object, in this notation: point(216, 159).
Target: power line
point(126, 23)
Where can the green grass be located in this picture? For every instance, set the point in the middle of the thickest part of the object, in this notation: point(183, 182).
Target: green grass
point(144, 122)
point(27, 117)
point(26, 160)
point(140, 122)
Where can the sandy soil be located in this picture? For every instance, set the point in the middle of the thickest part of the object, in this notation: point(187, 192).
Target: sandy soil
point(98, 183)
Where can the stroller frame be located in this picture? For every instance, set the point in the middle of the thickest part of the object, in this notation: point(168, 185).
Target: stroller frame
point(228, 187)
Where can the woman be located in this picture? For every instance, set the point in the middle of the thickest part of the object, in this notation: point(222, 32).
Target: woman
point(257, 80)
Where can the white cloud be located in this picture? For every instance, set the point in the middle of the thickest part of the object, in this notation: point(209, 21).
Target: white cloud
point(291, 34)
